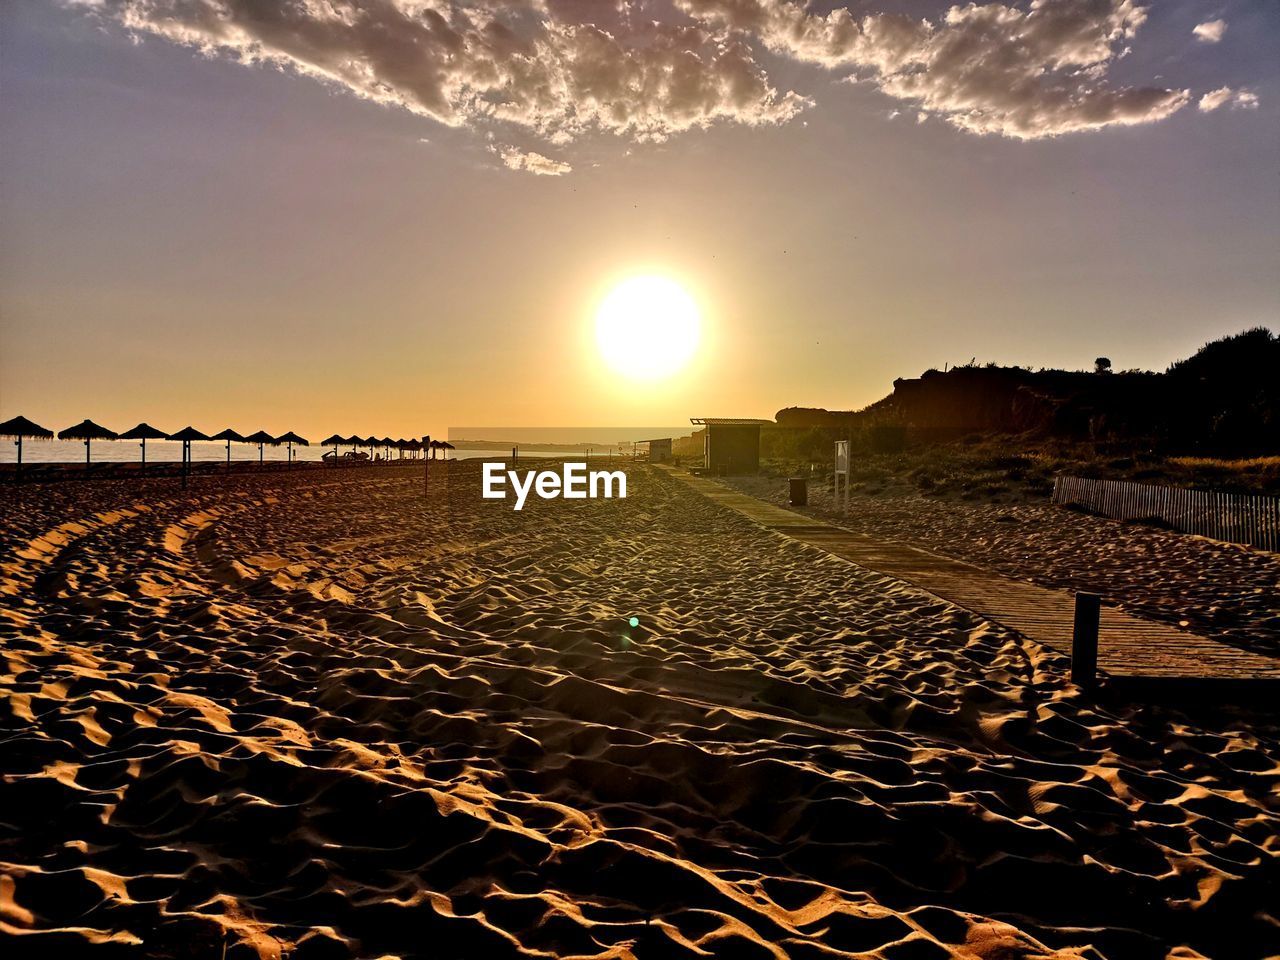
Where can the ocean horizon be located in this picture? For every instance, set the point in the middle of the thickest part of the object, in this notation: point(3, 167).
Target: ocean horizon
point(170, 451)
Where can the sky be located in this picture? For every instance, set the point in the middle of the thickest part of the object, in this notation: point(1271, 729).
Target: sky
point(397, 216)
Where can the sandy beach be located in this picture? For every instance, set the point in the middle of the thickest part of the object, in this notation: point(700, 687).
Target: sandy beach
point(320, 715)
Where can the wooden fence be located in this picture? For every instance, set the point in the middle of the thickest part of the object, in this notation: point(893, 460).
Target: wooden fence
point(1235, 517)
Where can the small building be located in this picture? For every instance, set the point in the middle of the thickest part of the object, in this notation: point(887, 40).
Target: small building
point(730, 444)
point(659, 450)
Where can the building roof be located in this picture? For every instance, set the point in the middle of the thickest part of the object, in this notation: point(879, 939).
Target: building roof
point(728, 422)
point(657, 440)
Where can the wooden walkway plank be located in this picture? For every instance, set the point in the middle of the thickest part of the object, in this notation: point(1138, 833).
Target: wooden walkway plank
point(1128, 646)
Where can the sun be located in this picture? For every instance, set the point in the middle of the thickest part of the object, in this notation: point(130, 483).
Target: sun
point(647, 328)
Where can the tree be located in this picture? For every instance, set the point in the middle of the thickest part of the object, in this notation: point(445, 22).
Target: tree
point(1102, 365)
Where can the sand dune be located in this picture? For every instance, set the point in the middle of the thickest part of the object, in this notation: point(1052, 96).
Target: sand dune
point(323, 716)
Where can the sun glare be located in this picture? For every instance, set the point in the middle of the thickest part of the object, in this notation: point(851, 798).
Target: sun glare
point(647, 328)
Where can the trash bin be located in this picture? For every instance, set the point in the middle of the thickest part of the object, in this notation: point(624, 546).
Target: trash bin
point(799, 492)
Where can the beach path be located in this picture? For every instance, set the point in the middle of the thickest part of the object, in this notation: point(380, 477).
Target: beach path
point(1128, 646)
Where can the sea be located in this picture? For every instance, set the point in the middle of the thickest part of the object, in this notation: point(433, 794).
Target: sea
point(170, 451)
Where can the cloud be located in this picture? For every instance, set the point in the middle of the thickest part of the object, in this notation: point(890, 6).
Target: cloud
point(562, 69)
point(1214, 99)
point(535, 163)
point(1210, 31)
point(985, 68)
point(465, 62)
point(1238, 99)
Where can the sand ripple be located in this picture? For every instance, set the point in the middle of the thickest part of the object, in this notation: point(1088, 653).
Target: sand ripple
point(320, 716)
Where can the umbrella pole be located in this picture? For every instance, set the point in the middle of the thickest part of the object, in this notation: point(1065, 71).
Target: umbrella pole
point(17, 475)
point(228, 456)
point(144, 452)
point(86, 455)
point(186, 445)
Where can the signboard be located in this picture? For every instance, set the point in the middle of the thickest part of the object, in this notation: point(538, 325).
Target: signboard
point(843, 463)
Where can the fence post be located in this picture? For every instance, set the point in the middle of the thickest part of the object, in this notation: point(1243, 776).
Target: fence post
point(1084, 640)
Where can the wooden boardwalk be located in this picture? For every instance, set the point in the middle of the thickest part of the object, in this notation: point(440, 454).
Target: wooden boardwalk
point(1128, 647)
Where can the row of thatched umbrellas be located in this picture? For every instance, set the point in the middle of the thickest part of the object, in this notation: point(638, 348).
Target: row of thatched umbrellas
point(386, 444)
point(20, 428)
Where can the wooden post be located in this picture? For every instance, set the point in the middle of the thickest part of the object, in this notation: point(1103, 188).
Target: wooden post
point(1084, 640)
point(426, 466)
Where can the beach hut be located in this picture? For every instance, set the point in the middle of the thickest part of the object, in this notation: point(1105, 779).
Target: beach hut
point(88, 431)
point(144, 432)
point(18, 428)
point(291, 438)
point(731, 444)
point(261, 438)
point(229, 436)
point(659, 449)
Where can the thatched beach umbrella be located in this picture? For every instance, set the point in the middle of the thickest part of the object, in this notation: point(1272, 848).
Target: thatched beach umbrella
point(402, 445)
point(353, 441)
point(291, 438)
point(88, 431)
point(261, 438)
point(332, 441)
point(144, 432)
point(186, 435)
point(446, 446)
point(18, 428)
point(230, 437)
